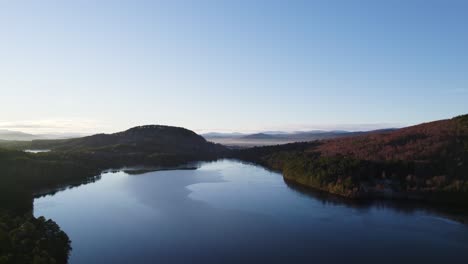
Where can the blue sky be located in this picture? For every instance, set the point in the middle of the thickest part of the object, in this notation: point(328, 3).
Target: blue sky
point(92, 66)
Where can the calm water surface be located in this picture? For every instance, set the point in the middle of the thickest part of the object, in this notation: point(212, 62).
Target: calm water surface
point(229, 212)
point(36, 150)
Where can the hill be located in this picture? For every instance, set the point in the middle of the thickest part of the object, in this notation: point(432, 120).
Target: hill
point(427, 161)
point(259, 136)
point(74, 160)
point(147, 138)
point(142, 144)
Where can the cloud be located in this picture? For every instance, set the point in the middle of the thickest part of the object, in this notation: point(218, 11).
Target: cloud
point(54, 126)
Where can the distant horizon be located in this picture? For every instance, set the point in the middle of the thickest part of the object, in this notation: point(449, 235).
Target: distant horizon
point(62, 127)
point(344, 127)
point(51, 127)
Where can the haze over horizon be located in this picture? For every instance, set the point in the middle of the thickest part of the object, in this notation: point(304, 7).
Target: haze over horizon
point(61, 127)
point(244, 66)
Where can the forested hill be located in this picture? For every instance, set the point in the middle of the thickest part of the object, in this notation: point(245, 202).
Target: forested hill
point(148, 139)
point(72, 160)
point(428, 141)
point(427, 161)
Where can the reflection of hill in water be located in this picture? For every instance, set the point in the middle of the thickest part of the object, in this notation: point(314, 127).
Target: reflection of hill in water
point(46, 192)
point(130, 171)
point(401, 206)
point(143, 170)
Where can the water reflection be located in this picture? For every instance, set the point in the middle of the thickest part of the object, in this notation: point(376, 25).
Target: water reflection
point(70, 185)
point(36, 150)
point(402, 206)
point(230, 212)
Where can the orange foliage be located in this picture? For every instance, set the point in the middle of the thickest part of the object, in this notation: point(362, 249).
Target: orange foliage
point(421, 142)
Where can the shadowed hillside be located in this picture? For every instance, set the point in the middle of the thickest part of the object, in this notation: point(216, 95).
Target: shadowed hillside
point(151, 138)
point(74, 159)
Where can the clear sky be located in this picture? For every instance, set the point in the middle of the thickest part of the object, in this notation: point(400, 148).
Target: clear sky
point(93, 66)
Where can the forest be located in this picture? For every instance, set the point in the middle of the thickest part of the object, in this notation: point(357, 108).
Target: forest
point(24, 238)
point(423, 162)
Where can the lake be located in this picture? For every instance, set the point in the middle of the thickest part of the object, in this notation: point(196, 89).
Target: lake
point(230, 212)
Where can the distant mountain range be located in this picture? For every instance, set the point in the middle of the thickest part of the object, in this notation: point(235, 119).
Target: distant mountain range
point(16, 135)
point(230, 139)
point(222, 135)
point(280, 137)
point(21, 136)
